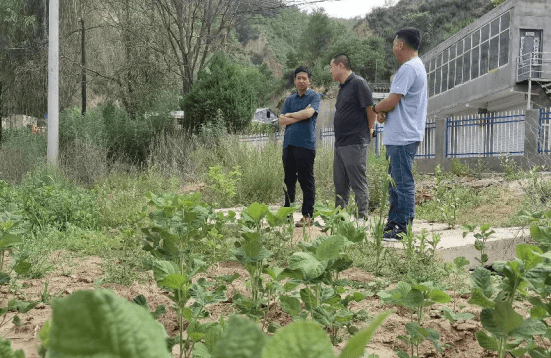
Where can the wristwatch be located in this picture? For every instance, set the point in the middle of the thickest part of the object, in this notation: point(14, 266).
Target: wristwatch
point(374, 110)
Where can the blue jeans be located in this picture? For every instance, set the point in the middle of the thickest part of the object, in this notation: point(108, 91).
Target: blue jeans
point(402, 193)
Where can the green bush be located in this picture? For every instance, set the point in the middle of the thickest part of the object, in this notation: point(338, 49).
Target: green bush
point(20, 152)
point(228, 87)
point(48, 199)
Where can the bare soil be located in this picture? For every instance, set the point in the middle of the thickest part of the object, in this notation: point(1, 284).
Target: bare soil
point(84, 273)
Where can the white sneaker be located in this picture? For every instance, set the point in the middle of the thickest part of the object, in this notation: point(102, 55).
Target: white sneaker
point(361, 222)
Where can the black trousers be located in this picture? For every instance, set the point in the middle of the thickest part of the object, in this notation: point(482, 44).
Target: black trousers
point(298, 164)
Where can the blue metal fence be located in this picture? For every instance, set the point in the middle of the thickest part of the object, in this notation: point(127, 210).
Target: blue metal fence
point(427, 147)
point(544, 143)
point(485, 135)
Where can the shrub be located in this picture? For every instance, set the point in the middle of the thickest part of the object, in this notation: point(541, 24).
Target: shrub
point(227, 86)
point(20, 152)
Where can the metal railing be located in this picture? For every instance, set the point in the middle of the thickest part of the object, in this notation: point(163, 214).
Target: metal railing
point(427, 147)
point(485, 135)
point(534, 66)
point(544, 143)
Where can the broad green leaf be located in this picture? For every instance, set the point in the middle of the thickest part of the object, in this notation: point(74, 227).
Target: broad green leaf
point(200, 350)
point(241, 339)
point(529, 255)
point(300, 339)
point(322, 316)
point(98, 323)
point(356, 344)
point(9, 240)
point(291, 305)
point(162, 269)
point(22, 267)
point(486, 341)
point(256, 211)
point(478, 298)
point(439, 296)
point(308, 298)
point(174, 281)
point(541, 234)
point(530, 327)
point(501, 320)
point(308, 264)
point(414, 299)
point(482, 279)
point(461, 262)
point(330, 248)
point(141, 301)
point(351, 233)
point(44, 334)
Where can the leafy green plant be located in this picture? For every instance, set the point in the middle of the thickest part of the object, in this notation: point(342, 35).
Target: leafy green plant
point(480, 240)
point(457, 271)
point(243, 338)
point(320, 263)
point(415, 299)
point(7, 352)
point(94, 323)
point(379, 225)
point(223, 185)
point(179, 223)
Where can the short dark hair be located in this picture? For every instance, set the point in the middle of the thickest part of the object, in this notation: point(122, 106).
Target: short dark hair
point(342, 58)
point(303, 69)
point(411, 36)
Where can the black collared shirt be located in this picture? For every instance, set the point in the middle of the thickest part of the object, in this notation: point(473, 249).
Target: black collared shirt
point(351, 126)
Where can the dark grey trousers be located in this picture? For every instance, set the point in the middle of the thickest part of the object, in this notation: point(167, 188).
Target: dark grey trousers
point(349, 171)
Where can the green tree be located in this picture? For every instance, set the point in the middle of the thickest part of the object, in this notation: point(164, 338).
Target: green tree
point(224, 88)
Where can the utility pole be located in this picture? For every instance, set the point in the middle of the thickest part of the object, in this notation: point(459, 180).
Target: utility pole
point(83, 64)
point(1, 109)
point(53, 83)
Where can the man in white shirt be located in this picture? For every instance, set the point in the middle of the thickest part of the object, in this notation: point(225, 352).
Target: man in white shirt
point(404, 114)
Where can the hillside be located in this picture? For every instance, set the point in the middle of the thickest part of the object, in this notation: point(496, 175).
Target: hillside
point(438, 19)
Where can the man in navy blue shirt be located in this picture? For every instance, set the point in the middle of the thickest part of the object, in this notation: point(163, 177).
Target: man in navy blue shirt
point(298, 116)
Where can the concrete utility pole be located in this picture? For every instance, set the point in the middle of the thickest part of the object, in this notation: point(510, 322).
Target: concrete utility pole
point(83, 65)
point(53, 83)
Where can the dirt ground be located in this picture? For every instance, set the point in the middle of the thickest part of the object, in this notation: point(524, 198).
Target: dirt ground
point(84, 274)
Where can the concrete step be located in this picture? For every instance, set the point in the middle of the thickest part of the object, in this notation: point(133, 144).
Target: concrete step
point(500, 246)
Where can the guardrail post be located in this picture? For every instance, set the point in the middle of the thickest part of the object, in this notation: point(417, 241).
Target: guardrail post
point(440, 143)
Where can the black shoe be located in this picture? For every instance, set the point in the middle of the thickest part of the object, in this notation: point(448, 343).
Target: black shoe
point(395, 235)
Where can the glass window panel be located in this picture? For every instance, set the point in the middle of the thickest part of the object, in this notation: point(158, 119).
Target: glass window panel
point(459, 70)
point(445, 56)
point(467, 66)
point(431, 84)
point(451, 75)
point(438, 81)
point(439, 60)
point(504, 48)
point(485, 33)
point(460, 47)
point(505, 21)
point(445, 78)
point(476, 38)
point(484, 51)
point(474, 62)
point(433, 64)
point(452, 52)
point(494, 53)
point(494, 27)
point(467, 46)
point(427, 66)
